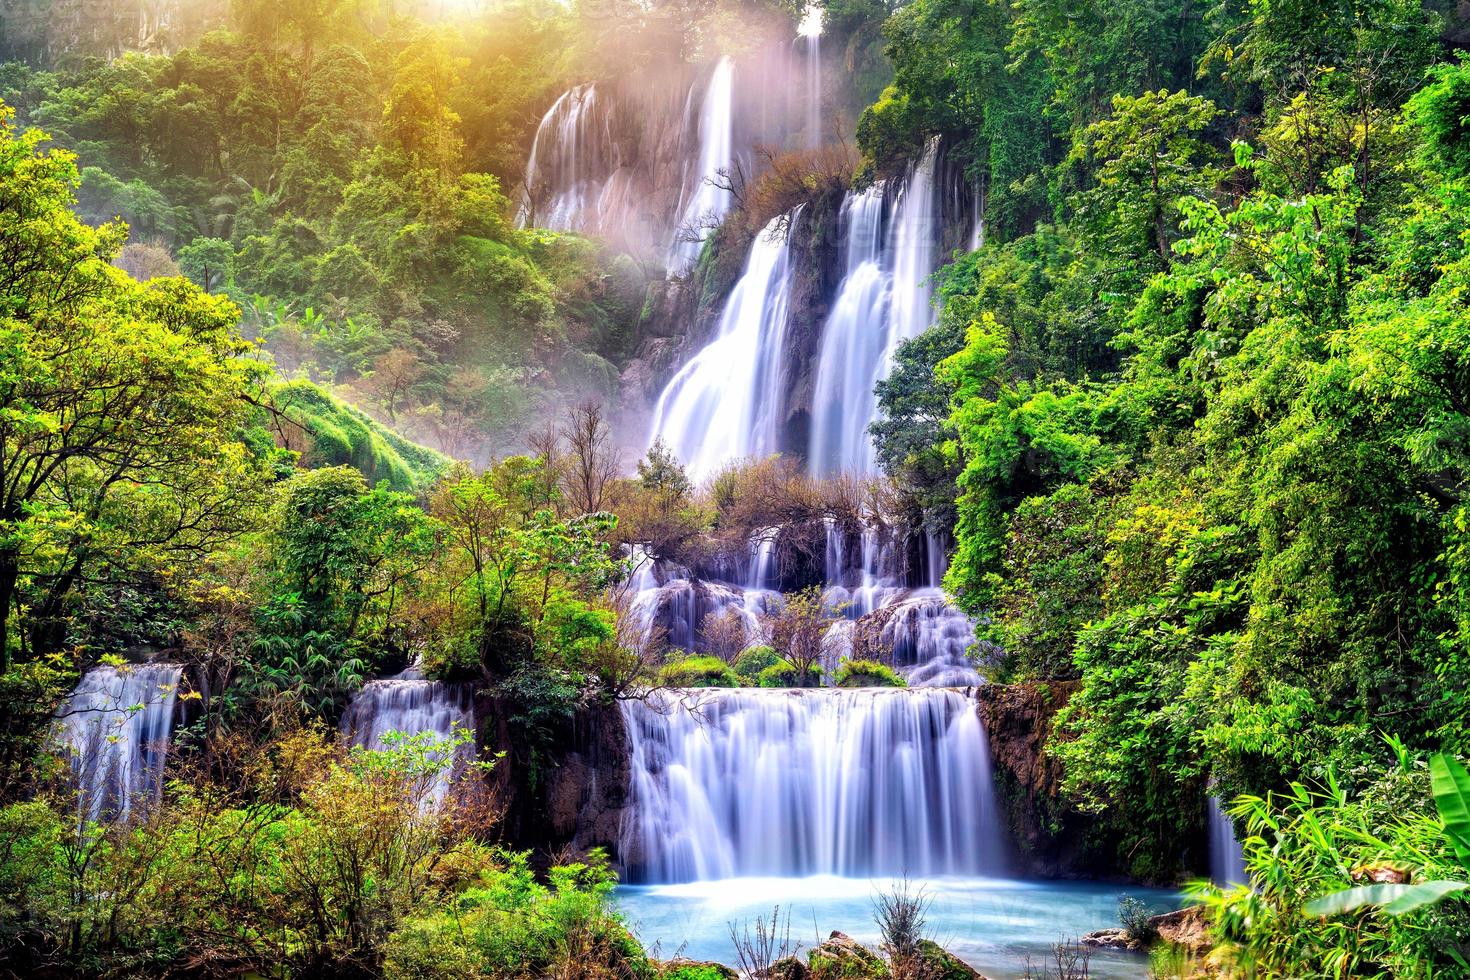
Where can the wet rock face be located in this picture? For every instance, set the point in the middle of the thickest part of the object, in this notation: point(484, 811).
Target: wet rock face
point(1018, 720)
point(587, 792)
point(815, 248)
point(571, 801)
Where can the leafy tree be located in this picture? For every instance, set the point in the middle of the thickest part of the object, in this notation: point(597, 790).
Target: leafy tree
point(1148, 155)
point(120, 403)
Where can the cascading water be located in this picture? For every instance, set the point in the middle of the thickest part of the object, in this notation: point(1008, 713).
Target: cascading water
point(708, 199)
point(568, 163)
point(883, 301)
point(115, 729)
point(723, 405)
point(857, 783)
point(810, 31)
point(853, 342)
point(1227, 859)
point(410, 705)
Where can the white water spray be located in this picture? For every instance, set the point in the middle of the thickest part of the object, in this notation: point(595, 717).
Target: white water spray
point(724, 404)
point(859, 783)
point(115, 728)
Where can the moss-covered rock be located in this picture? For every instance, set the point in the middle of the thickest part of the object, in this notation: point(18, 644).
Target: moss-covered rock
point(941, 964)
point(682, 969)
point(840, 957)
point(867, 673)
point(784, 674)
point(329, 432)
point(789, 968)
point(698, 672)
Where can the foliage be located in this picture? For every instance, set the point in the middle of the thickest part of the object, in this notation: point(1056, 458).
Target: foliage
point(752, 661)
point(698, 672)
point(866, 673)
point(1303, 842)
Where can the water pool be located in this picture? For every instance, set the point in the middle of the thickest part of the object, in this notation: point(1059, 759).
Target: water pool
point(991, 923)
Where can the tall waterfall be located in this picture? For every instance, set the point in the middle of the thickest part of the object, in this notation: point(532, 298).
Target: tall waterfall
point(860, 783)
point(853, 343)
point(1227, 859)
point(568, 163)
point(707, 201)
point(115, 728)
point(409, 705)
point(883, 301)
point(724, 403)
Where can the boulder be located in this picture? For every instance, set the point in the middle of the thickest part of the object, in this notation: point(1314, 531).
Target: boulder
point(840, 957)
point(789, 968)
point(941, 964)
point(1111, 939)
point(1187, 928)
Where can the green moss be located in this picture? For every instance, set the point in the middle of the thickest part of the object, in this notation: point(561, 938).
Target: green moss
point(340, 435)
point(868, 673)
point(698, 672)
point(783, 674)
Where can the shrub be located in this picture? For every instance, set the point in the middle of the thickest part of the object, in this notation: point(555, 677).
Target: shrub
point(511, 925)
point(783, 674)
point(867, 673)
point(1306, 843)
point(698, 672)
point(1134, 917)
point(752, 661)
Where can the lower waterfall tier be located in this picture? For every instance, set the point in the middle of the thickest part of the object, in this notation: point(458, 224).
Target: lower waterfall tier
point(728, 783)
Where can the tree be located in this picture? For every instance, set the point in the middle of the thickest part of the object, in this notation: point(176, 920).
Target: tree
point(796, 631)
point(1148, 155)
point(119, 404)
point(209, 262)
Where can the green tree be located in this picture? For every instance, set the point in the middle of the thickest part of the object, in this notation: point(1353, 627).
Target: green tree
point(118, 404)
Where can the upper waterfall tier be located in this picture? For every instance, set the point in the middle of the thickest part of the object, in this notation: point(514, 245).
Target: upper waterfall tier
point(776, 782)
point(884, 300)
point(115, 729)
point(645, 161)
point(723, 404)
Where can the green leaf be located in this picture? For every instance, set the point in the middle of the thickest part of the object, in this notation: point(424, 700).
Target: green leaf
point(1395, 899)
point(1451, 784)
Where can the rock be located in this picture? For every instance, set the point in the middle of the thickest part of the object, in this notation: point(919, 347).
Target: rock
point(841, 957)
point(680, 968)
point(941, 964)
point(1187, 928)
point(789, 968)
point(1110, 939)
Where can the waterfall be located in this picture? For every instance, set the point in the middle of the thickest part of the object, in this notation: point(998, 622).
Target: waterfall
point(810, 31)
point(912, 246)
point(707, 203)
point(409, 705)
point(115, 729)
point(883, 300)
point(853, 344)
point(724, 404)
point(864, 782)
point(568, 163)
point(1227, 860)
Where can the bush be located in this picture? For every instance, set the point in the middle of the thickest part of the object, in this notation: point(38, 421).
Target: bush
point(1306, 843)
point(867, 673)
point(1134, 917)
point(698, 672)
point(783, 674)
point(511, 925)
point(752, 661)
